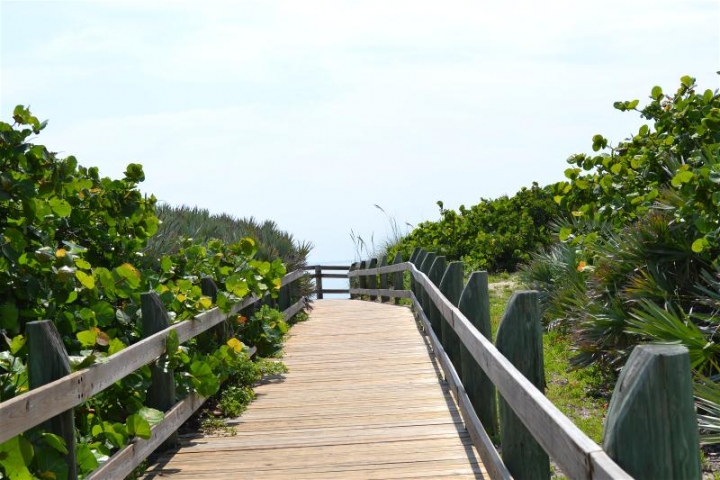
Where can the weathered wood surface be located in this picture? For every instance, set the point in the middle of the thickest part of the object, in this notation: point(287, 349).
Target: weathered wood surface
point(576, 454)
point(362, 400)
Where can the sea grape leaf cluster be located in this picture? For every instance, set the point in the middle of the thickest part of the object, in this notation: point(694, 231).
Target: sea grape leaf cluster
point(71, 246)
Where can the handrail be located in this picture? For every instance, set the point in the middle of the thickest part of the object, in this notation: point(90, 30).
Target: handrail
point(319, 275)
point(576, 454)
point(31, 408)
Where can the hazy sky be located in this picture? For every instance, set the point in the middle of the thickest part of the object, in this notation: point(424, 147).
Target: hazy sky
point(310, 112)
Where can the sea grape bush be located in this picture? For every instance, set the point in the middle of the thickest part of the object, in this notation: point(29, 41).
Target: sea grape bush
point(645, 236)
point(70, 246)
point(496, 235)
point(673, 164)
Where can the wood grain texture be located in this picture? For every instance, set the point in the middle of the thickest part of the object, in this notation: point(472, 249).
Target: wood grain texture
point(576, 454)
point(363, 399)
point(651, 428)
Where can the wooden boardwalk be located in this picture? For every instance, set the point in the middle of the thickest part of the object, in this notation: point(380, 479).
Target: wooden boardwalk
point(363, 399)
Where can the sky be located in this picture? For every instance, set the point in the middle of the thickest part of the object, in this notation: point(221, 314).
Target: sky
point(311, 113)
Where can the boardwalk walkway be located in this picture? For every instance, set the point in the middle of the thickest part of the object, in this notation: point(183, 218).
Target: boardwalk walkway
point(362, 400)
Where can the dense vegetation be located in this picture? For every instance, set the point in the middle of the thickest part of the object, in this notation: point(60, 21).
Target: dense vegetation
point(495, 235)
point(74, 249)
point(636, 255)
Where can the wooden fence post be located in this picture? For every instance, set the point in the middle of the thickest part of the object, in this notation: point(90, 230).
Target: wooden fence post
point(372, 279)
point(384, 284)
point(414, 254)
point(651, 428)
point(427, 262)
point(437, 269)
point(222, 330)
point(353, 281)
point(475, 305)
point(519, 338)
point(451, 287)
point(161, 393)
point(362, 279)
point(284, 301)
point(48, 361)
point(398, 277)
point(318, 282)
point(419, 259)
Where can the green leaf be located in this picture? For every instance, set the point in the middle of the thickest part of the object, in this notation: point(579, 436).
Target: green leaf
point(56, 442)
point(656, 93)
point(130, 274)
point(172, 343)
point(137, 426)
point(87, 338)
point(699, 245)
point(115, 346)
point(104, 313)
point(687, 80)
point(166, 264)
point(15, 456)
point(17, 343)
point(565, 233)
point(633, 104)
point(681, 177)
point(134, 173)
point(80, 263)
point(60, 207)
point(86, 280)
point(85, 458)
point(151, 415)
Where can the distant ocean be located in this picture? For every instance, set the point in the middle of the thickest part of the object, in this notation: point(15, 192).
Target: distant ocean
point(338, 283)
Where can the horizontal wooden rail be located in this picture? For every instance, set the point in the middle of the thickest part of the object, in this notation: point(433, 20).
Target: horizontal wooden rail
point(328, 267)
point(125, 460)
point(38, 405)
point(490, 457)
point(576, 454)
point(319, 275)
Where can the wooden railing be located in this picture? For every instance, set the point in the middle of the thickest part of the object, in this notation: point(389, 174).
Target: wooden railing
point(319, 275)
point(55, 400)
point(651, 426)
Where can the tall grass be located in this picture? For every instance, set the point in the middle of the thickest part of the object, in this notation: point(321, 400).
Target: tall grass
point(365, 249)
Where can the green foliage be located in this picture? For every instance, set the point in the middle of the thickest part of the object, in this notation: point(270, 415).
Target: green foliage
point(70, 251)
point(235, 400)
point(265, 330)
point(673, 164)
point(495, 235)
point(178, 224)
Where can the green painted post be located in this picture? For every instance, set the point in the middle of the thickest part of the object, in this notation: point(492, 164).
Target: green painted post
point(437, 269)
point(475, 305)
point(353, 282)
point(398, 277)
point(421, 294)
point(519, 338)
point(372, 279)
point(161, 393)
point(419, 259)
point(48, 361)
point(384, 284)
point(651, 429)
point(451, 287)
point(362, 279)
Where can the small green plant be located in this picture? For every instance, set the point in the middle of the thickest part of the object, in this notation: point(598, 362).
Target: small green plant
point(234, 400)
point(265, 330)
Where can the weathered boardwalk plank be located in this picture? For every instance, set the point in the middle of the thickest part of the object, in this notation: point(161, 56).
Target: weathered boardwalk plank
point(362, 400)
